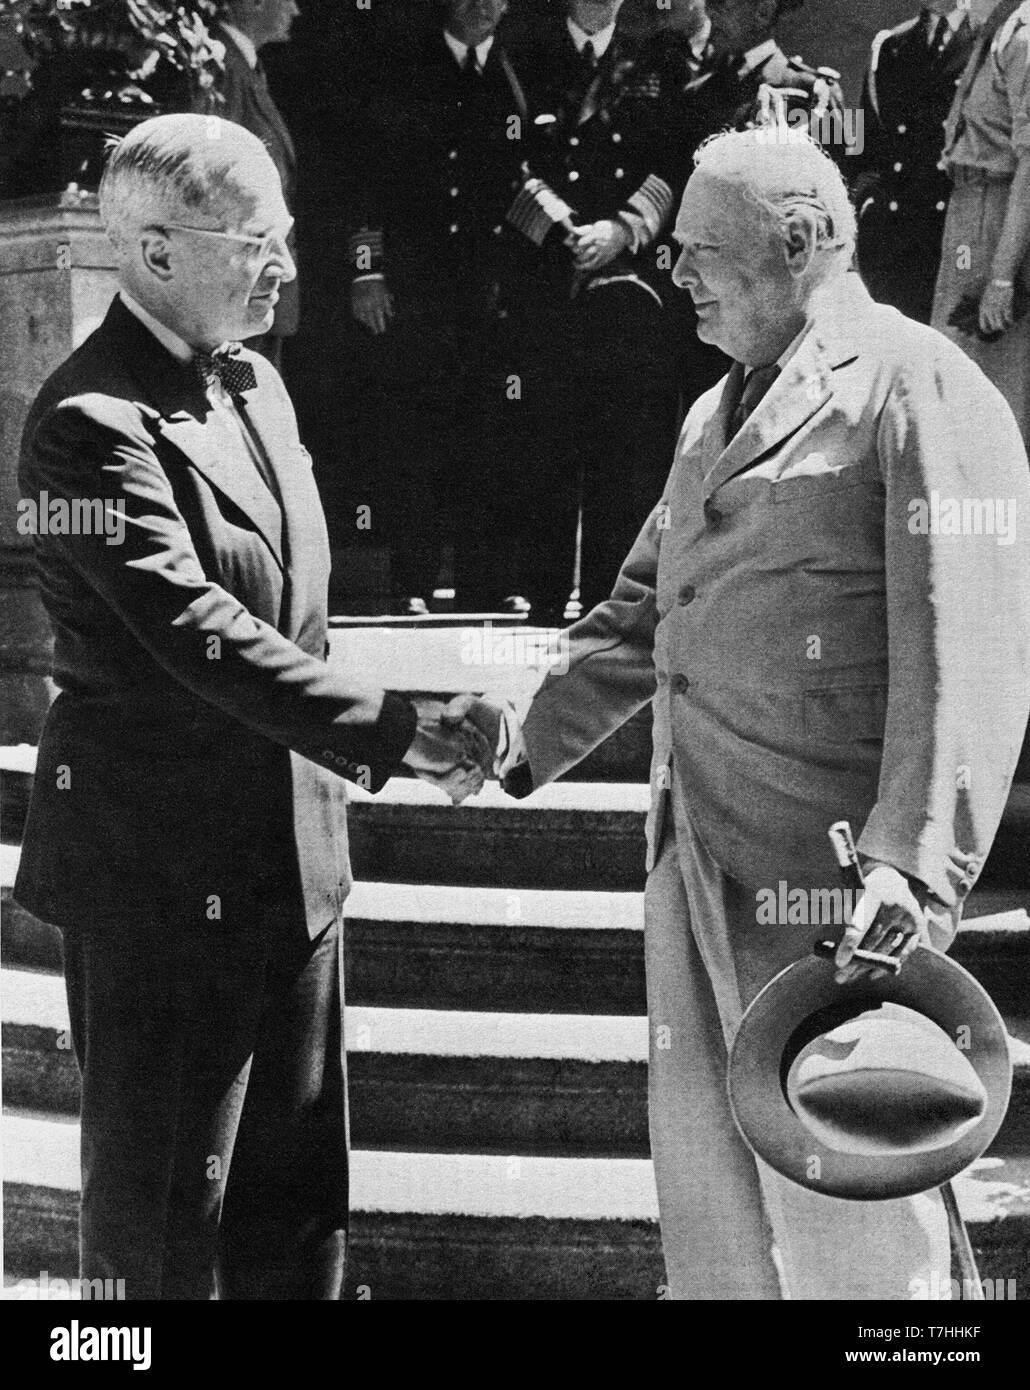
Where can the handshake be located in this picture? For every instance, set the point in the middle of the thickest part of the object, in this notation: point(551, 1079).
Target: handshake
point(459, 745)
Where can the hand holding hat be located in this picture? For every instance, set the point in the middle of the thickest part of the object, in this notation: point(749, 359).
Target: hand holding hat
point(887, 919)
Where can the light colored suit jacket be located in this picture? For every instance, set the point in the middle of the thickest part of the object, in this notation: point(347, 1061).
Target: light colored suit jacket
point(815, 643)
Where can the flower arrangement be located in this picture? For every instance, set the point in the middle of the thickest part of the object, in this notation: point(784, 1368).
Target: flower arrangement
point(116, 50)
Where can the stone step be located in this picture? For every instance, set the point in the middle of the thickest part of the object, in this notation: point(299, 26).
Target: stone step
point(441, 1081)
point(478, 1226)
point(594, 832)
point(533, 950)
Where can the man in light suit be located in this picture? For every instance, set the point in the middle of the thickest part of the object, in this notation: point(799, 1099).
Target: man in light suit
point(187, 830)
point(246, 27)
point(818, 643)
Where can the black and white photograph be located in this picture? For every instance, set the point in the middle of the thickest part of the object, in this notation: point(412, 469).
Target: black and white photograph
point(515, 664)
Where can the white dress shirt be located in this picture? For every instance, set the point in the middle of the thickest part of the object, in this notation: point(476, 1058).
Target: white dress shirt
point(226, 414)
point(460, 50)
point(600, 40)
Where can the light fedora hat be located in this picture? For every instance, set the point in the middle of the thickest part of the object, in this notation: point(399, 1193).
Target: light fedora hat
point(874, 1089)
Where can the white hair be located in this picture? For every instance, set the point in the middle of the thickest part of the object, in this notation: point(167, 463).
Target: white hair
point(783, 172)
point(171, 167)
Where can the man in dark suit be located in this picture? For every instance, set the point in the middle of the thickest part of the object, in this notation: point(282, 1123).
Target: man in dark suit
point(743, 56)
point(246, 27)
point(438, 164)
point(599, 393)
point(187, 829)
point(900, 190)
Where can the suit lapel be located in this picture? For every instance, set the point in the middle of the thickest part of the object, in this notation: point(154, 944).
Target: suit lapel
point(799, 392)
point(222, 458)
point(185, 420)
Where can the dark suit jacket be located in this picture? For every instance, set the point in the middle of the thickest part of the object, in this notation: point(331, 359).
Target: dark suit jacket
point(609, 149)
point(200, 728)
point(437, 171)
point(247, 101)
point(901, 194)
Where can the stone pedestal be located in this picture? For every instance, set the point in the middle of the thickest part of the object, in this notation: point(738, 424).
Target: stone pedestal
point(56, 281)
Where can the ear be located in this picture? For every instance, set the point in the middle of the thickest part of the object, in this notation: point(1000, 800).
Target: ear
point(156, 254)
point(801, 237)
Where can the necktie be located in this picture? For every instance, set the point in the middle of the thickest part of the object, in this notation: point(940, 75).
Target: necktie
point(225, 365)
point(755, 387)
point(471, 68)
point(588, 56)
point(940, 36)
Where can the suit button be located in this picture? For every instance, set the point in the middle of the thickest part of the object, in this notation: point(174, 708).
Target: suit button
point(573, 176)
point(940, 206)
point(897, 167)
point(713, 517)
point(902, 129)
point(620, 173)
point(616, 138)
point(893, 206)
point(688, 594)
point(680, 685)
point(452, 154)
point(454, 228)
point(498, 231)
point(573, 139)
point(454, 192)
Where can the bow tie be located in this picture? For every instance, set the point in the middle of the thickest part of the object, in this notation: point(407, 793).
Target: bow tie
point(225, 365)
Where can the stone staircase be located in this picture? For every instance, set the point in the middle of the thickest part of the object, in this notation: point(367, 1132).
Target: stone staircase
point(496, 1036)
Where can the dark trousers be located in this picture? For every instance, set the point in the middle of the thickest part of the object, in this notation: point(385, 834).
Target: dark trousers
point(441, 463)
point(214, 1115)
point(600, 407)
point(898, 259)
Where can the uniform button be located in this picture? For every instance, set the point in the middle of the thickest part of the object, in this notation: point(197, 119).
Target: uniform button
point(688, 594)
point(573, 176)
point(452, 154)
point(680, 685)
point(454, 192)
point(713, 517)
point(940, 206)
point(902, 129)
point(454, 228)
point(893, 206)
point(897, 167)
point(620, 173)
point(498, 231)
point(616, 138)
point(573, 139)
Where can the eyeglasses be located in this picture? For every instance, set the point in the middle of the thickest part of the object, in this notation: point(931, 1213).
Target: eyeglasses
point(264, 245)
